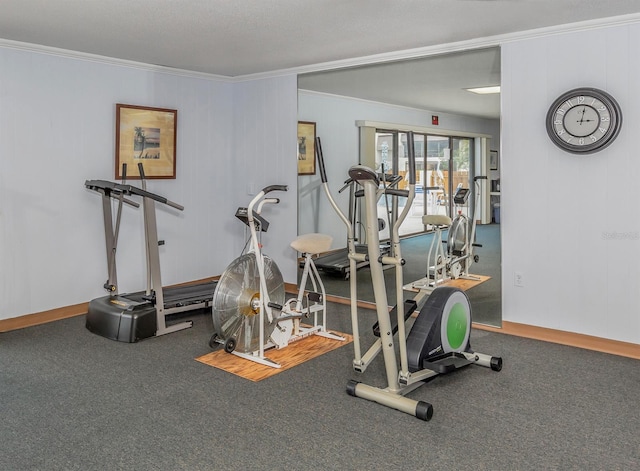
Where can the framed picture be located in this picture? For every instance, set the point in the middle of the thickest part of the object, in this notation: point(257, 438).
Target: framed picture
point(493, 160)
point(306, 148)
point(148, 136)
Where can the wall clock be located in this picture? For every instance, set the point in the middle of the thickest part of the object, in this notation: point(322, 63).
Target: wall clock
point(584, 120)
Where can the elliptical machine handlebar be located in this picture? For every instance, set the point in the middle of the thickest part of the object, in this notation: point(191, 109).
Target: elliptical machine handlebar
point(320, 158)
point(412, 159)
point(412, 186)
point(325, 185)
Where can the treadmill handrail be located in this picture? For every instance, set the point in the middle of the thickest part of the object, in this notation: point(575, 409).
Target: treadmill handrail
point(96, 185)
point(134, 190)
point(110, 189)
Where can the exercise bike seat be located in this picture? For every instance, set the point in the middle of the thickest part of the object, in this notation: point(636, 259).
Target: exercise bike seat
point(436, 220)
point(312, 243)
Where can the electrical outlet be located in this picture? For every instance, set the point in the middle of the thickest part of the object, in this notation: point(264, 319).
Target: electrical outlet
point(518, 279)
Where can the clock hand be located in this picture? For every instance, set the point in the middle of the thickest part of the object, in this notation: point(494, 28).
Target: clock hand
point(582, 120)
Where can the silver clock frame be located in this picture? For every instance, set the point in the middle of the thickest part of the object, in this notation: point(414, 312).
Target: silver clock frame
point(581, 96)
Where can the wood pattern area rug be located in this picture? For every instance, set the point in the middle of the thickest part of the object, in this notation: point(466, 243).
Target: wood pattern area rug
point(292, 355)
point(464, 284)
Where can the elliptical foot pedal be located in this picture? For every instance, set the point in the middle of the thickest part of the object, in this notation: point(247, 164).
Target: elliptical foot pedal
point(447, 364)
point(410, 306)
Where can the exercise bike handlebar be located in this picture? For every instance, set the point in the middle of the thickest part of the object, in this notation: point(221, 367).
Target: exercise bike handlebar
point(271, 188)
point(266, 201)
point(260, 200)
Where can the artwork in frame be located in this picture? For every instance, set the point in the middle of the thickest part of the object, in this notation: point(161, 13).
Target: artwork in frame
point(493, 160)
point(306, 148)
point(148, 136)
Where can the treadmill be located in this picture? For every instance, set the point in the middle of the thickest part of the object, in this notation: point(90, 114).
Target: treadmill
point(337, 262)
point(136, 316)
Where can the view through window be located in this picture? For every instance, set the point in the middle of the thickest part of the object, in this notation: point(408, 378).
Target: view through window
point(443, 164)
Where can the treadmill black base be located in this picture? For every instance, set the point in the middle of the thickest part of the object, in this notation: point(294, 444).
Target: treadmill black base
point(123, 318)
point(132, 317)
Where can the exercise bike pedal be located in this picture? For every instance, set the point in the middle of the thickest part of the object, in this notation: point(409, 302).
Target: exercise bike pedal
point(276, 306)
point(410, 305)
point(314, 297)
point(447, 363)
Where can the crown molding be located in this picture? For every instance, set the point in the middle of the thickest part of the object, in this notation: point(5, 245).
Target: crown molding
point(67, 53)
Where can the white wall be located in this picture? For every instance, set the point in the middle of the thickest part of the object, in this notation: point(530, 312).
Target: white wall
point(265, 130)
point(57, 129)
point(335, 119)
point(570, 223)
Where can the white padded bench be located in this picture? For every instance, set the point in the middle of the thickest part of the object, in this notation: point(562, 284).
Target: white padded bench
point(312, 243)
point(436, 220)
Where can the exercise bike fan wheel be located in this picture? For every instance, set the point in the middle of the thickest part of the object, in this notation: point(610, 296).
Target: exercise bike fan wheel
point(236, 302)
point(457, 241)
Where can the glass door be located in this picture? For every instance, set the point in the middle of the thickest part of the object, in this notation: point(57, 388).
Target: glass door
point(437, 175)
point(443, 164)
point(461, 174)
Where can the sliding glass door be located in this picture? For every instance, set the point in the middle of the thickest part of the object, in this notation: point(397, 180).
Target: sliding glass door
point(443, 164)
point(437, 162)
point(461, 172)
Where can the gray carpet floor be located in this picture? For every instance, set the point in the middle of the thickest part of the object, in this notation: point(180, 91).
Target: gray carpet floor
point(71, 400)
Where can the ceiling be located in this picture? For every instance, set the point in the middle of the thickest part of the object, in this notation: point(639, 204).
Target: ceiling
point(234, 38)
point(435, 83)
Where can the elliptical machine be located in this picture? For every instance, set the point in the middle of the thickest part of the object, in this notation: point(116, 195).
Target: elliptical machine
point(438, 340)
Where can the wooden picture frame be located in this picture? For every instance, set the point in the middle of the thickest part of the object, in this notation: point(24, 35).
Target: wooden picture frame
point(306, 148)
point(493, 160)
point(148, 136)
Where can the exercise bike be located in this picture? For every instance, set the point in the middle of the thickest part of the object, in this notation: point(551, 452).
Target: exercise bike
point(249, 310)
point(454, 260)
point(438, 340)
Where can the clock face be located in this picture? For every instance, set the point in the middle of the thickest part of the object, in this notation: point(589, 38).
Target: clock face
point(584, 120)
